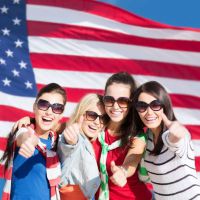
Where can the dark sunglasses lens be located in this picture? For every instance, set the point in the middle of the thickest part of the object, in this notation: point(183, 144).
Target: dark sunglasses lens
point(123, 102)
point(43, 104)
point(57, 108)
point(91, 116)
point(155, 105)
point(141, 106)
point(108, 101)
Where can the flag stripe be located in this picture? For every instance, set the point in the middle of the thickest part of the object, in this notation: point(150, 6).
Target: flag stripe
point(109, 65)
point(110, 50)
point(85, 33)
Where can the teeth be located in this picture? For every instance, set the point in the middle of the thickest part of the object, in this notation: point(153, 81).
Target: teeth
point(150, 118)
point(47, 119)
point(93, 128)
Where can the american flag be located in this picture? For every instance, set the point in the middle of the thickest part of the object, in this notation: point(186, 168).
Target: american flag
point(80, 43)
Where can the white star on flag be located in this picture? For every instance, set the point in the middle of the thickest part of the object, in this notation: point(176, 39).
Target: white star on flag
point(28, 85)
point(6, 82)
point(22, 64)
point(4, 9)
point(18, 43)
point(16, 21)
point(15, 72)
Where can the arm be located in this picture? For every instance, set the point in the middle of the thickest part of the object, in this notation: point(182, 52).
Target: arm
point(131, 161)
point(25, 121)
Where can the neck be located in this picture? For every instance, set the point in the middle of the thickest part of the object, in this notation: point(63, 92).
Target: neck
point(114, 128)
point(42, 134)
point(156, 133)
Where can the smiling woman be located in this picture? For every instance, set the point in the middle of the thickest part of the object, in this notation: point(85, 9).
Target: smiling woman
point(80, 175)
point(31, 160)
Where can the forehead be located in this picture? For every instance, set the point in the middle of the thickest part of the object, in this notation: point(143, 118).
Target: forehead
point(98, 108)
point(52, 97)
point(118, 90)
point(146, 97)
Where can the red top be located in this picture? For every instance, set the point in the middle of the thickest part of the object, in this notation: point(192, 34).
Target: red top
point(134, 189)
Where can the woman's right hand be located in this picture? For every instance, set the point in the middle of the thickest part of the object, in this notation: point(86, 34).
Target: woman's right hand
point(25, 121)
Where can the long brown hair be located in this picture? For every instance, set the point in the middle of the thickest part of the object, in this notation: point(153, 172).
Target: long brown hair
point(127, 127)
point(50, 88)
point(158, 91)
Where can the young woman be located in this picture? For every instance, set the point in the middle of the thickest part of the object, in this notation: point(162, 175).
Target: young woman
point(112, 145)
point(169, 157)
point(80, 175)
point(36, 177)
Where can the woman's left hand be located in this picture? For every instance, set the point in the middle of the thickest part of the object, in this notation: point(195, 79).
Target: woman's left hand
point(176, 129)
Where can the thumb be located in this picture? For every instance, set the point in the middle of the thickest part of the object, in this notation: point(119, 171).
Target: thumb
point(113, 167)
point(166, 121)
point(32, 135)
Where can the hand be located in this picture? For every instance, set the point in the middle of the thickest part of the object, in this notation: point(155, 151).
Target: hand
point(29, 142)
point(71, 132)
point(118, 177)
point(25, 121)
point(177, 130)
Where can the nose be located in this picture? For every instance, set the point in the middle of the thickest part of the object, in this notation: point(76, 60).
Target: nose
point(149, 110)
point(49, 110)
point(115, 105)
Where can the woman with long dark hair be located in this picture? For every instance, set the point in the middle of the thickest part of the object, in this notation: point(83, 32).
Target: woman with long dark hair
point(169, 155)
point(31, 177)
point(113, 143)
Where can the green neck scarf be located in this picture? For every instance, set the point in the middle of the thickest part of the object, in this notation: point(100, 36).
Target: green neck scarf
point(104, 190)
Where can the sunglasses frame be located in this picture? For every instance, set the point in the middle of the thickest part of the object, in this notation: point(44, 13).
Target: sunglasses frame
point(117, 100)
point(101, 117)
point(53, 106)
point(151, 104)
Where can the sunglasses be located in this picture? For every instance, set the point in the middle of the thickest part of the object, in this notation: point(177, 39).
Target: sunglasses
point(155, 105)
point(123, 102)
point(92, 116)
point(44, 105)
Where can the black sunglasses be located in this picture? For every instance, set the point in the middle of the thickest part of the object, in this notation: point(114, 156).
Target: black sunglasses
point(155, 105)
point(123, 102)
point(44, 105)
point(92, 116)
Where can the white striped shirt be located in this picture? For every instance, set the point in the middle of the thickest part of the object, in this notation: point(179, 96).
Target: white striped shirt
point(173, 172)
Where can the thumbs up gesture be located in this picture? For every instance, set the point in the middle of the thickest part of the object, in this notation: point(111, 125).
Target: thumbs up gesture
point(176, 130)
point(119, 176)
point(71, 132)
point(28, 143)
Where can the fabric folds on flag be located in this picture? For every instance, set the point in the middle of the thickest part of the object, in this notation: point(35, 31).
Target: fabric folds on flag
point(80, 43)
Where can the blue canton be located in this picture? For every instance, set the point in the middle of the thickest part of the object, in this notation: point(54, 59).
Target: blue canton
point(16, 73)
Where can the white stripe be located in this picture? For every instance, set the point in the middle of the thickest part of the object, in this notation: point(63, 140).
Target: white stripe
point(184, 115)
point(28, 103)
point(99, 49)
point(5, 128)
point(196, 144)
point(94, 80)
point(53, 173)
point(73, 17)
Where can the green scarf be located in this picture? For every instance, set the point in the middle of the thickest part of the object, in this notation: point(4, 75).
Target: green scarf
point(142, 171)
point(104, 190)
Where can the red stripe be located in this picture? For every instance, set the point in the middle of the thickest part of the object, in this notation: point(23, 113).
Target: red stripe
point(84, 33)
point(7, 174)
point(107, 11)
point(194, 131)
point(178, 100)
point(9, 116)
point(197, 163)
point(3, 143)
point(75, 94)
point(109, 65)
